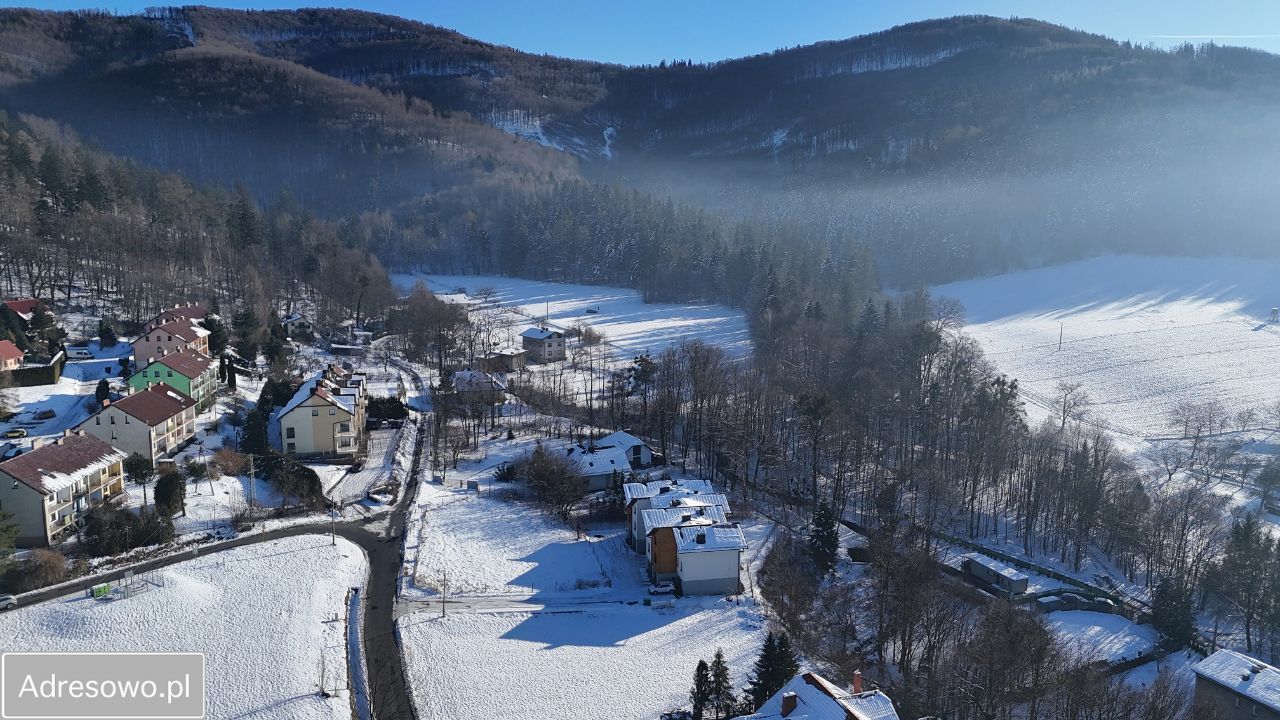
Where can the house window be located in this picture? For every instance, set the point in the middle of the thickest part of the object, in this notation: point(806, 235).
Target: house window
point(314, 412)
point(97, 420)
point(288, 432)
point(344, 427)
point(170, 373)
point(290, 447)
point(333, 411)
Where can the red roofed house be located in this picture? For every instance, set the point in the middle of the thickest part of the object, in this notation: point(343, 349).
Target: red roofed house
point(187, 371)
point(155, 422)
point(10, 356)
point(189, 313)
point(24, 308)
point(48, 489)
point(170, 337)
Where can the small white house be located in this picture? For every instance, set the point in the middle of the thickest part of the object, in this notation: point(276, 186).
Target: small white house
point(297, 325)
point(708, 559)
point(543, 344)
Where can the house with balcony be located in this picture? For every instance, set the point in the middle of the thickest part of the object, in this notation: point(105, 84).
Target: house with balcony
point(155, 422)
point(326, 415)
point(49, 489)
point(189, 372)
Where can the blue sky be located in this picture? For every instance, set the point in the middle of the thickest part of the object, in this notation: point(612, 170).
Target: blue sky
point(646, 32)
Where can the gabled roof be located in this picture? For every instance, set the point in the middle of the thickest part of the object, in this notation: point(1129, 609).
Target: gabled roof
point(695, 538)
point(292, 318)
point(320, 385)
point(818, 699)
point(9, 351)
point(23, 307)
point(1240, 674)
point(473, 381)
point(190, 311)
point(154, 405)
point(189, 363)
point(180, 329)
point(535, 333)
point(50, 468)
point(655, 518)
point(620, 439)
point(639, 491)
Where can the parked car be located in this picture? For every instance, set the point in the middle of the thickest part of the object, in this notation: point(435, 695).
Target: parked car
point(79, 353)
point(14, 433)
point(8, 602)
point(46, 414)
point(662, 588)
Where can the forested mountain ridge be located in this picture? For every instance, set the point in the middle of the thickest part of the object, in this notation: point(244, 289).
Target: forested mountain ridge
point(951, 148)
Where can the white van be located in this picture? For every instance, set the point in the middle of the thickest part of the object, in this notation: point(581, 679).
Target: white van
point(79, 353)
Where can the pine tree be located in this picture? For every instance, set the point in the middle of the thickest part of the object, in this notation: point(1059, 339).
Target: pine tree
point(761, 687)
point(787, 664)
point(700, 693)
point(1171, 612)
point(107, 334)
point(171, 494)
point(102, 391)
point(722, 697)
point(824, 539)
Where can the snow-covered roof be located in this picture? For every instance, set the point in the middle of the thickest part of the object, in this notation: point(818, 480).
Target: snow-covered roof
point(322, 386)
point(997, 567)
point(681, 498)
point(506, 351)
point(59, 464)
point(671, 517)
point(475, 381)
point(598, 461)
point(292, 318)
point(537, 333)
point(653, 488)
point(620, 439)
point(694, 538)
point(1244, 675)
point(816, 698)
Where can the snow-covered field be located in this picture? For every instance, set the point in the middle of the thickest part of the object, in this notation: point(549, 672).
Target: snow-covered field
point(485, 546)
point(1141, 333)
point(262, 614)
point(628, 663)
point(629, 324)
point(1101, 636)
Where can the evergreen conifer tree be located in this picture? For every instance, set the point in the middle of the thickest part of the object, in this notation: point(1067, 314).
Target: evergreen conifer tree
point(824, 539)
point(700, 693)
point(722, 697)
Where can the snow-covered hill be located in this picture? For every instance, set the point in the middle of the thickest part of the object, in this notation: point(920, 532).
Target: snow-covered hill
point(1140, 333)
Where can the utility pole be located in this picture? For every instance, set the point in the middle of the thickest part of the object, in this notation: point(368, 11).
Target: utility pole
point(333, 524)
point(444, 593)
point(253, 484)
point(1060, 328)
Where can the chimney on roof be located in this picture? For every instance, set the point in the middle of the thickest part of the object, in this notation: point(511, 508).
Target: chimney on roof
point(857, 681)
point(66, 432)
point(789, 703)
point(686, 517)
point(701, 539)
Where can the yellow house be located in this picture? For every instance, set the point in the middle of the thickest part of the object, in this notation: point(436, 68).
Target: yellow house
point(326, 415)
point(49, 489)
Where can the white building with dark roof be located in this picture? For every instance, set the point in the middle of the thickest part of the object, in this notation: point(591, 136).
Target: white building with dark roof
point(48, 489)
point(543, 344)
point(1234, 686)
point(709, 558)
point(325, 416)
point(638, 452)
